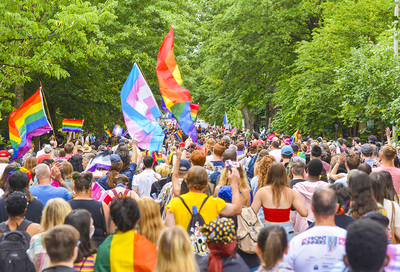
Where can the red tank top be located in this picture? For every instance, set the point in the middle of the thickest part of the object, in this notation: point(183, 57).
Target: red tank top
point(276, 215)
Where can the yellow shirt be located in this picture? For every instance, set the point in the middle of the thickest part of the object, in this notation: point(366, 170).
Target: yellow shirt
point(209, 212)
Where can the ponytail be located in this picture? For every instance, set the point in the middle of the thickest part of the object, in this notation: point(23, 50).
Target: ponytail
point(272, 242)
point(273, 250)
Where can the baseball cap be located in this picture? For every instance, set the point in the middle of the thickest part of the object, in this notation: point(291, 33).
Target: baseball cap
point(287, 150)
point(366, 148)
point(115, 158)
point(184, 166)
point(47, 148)
point(4, 154)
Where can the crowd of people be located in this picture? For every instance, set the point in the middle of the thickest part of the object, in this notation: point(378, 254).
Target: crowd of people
point(223, 203)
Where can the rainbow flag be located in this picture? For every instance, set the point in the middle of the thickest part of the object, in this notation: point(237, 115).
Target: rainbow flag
point(234, 132)
point(175, 97)
point(277, 134)
point(194, 109)
point(294, 137)
point(171, 154)
point(159, 158)
point(126, 251)
point(108, 133)
point(25, 122)
point(206, 151)
point(178, 136)
point(73, 125)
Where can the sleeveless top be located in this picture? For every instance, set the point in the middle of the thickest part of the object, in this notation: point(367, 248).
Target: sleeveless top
point(96, 210)
point(276, 215)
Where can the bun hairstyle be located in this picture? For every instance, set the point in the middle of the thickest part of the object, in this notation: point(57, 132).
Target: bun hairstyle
point(272, 242)
point(82, 181)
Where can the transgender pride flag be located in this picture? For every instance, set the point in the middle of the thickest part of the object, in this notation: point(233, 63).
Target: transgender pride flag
point(141, 111)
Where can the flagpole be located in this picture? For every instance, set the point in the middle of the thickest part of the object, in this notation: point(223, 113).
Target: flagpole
point(48, 112)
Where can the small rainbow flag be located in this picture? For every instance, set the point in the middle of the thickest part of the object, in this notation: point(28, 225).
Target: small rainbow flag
point(277, 134)
point(178, 136)
point(294, 137)
point(108, 133)
point(234, 132)
point(159, 158)
point(206, 151)
point(73, 125)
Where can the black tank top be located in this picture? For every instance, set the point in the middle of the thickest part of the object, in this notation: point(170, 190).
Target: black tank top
point(96, 210)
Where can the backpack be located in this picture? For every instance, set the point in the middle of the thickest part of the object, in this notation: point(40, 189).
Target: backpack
point(13, 247)
point(119, 195)
point(249, 226)
point(250, 167)
point(197, 239)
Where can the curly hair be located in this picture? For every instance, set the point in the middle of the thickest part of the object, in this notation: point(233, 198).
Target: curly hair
point(126, 160)
point(362, 198)
point(263, 167)
point(115, 168)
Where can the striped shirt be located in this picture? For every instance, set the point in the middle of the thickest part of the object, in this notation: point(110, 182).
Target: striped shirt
point(87, 264)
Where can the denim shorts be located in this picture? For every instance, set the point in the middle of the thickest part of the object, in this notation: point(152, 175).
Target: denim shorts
point(287, 226)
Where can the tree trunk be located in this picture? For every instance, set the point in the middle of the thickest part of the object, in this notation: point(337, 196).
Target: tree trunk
point(248, 119)
point(19, 95)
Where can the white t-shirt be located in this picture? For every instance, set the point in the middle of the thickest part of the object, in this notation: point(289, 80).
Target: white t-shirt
point(387, 204)
point(144, 180)
point(317, 249)
point(277, 154)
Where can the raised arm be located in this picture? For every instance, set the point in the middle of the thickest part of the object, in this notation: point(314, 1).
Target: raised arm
point(175, 175)
point(133, 142)
point(235, 207)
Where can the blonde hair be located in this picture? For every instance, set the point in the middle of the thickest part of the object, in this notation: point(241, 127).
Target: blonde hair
point(54, 213)
point(151, 223)
point(175, 251)
point(163, 169)
point(243, 183)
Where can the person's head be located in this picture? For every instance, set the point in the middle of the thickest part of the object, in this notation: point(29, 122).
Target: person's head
point(42, 172)
point(365, 167)
point(243, 182)
point(3, 181)
point(388, 152)
point(295, 148)
point(163, 169)
point(125, 213)
point(82, 220)
point(125, 158)
point(356, 140)
point(367, 150)
point(240, 146)
point(343, 194)
point(263, 168)
point(378, 186)
point(16, 204)
point(150, 219)
point(277, 178)
point(68, 169)
point(287, 152)
point(198, 157)
point(31, 163)
point(314, 168)
point(316, 151)
point(362, 198)
point(219, 149)
point(148, 162)
point(184, 167)
point(372, 139)
point(275, 144)
point(4, 156)
point(86, 158)
point(115, 168)
point(83, 182)
point(271, 245)
point(54, 213)
point(352, 161)
point(366, 244)
point(324, 203)
point(298, 168)
point(68, 148)
point(61, 244)
point(121, 179)
point(229, 154)
point(197, 178)
point(175, 251)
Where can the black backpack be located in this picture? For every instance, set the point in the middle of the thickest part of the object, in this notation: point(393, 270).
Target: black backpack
point(250, 167)
point(13, 247)
point(197, 239)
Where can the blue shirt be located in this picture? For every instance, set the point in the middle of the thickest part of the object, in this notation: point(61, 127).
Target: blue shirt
point(130, 172)
point(47, 192)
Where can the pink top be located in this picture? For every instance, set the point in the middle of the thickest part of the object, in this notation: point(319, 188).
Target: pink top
point(394, 172)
